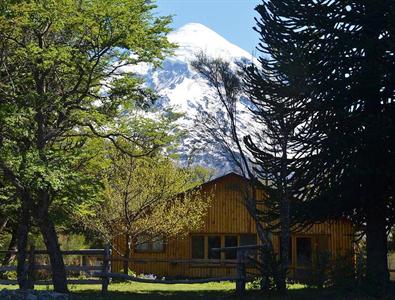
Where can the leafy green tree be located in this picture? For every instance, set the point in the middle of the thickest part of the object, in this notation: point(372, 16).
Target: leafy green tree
point(62, 85)
point(344, 53)
point(145, 200)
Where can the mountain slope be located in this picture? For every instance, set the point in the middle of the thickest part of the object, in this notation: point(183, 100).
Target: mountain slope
point(183, 89)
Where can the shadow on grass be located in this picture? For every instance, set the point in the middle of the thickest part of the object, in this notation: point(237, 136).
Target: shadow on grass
point(292, 294)
point(301, 294)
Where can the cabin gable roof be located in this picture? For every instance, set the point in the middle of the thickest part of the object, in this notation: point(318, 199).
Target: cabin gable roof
point(223, 178)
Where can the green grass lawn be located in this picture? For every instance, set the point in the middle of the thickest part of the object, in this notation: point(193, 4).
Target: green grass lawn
point(209, 291)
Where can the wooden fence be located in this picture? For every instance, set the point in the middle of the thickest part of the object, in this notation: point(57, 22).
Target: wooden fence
point(240, 265)
point(102, 274)
point(97, 274)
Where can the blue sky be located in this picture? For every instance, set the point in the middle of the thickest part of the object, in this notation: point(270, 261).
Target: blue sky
point(233, 19)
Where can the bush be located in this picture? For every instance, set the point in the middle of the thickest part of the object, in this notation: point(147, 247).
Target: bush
point(320, 276)
point(360, 267)
point(9, 275)
point(342, 272)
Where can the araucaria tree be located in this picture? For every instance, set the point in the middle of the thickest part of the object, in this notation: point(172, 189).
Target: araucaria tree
point(62, 86)
point(262, 152)
point(344, 53)
point(276, 108)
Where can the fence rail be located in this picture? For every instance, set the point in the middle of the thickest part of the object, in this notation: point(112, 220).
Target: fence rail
point(49, 282)
point(97, 273)
point(92, 252)
point(102, 274)
point(175, 261)
point(84, 269)
point(172, 281)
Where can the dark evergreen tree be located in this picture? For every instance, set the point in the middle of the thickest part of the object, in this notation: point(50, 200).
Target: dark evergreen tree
point(275, 87)
point(276, 108)
point(343, 54)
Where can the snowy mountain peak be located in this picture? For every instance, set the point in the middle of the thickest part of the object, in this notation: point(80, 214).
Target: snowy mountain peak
point(195, 37)
point(181, 88)
point(195, 27)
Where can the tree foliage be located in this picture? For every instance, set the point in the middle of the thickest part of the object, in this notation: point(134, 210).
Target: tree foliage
point(147, 197)
point(276, 106)
point(146, 200)
point(220, 124)
point(62, 86)
point(218, 121)
point(342, 53)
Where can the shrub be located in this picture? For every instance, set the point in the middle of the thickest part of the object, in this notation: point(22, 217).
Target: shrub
point(342, 272)
point(320, 276)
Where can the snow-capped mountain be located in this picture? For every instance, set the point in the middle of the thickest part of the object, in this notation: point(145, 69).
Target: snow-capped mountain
point(184, 90)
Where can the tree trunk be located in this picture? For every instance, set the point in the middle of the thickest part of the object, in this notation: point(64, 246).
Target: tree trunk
point(22, 237)
point(128, 247)
point(31, 268)
point(377, 273)
point(265, 254)
point(59, 277)
point(284, 245)
point(266, 257)
point(285, 223)
point(12, 246)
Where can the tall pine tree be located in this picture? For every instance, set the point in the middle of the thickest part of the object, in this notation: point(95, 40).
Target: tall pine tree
point(343, 52)
point(276, 108)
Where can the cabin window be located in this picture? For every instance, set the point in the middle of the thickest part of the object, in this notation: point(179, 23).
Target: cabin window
point(303, 251)
point(158, 245)
point(231, 241)
point(142, 244)
point(202, 245)
point(214, 242)
point(247, 239)
point(198, 247)
point(145, 244)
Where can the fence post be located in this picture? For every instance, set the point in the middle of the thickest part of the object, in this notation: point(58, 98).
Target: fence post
point(241, 273)
point(106, 264)
point(31, 268)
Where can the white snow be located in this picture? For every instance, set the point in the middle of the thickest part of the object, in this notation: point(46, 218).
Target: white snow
point(195, 37)
point(181, 88)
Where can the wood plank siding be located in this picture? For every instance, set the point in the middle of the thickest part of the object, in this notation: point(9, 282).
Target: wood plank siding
point(228, 220)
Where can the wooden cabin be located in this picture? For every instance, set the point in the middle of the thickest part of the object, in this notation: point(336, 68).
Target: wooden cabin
point(227, 223)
